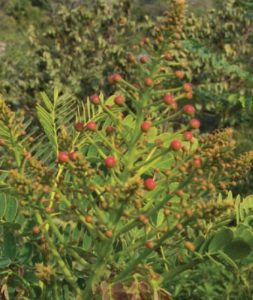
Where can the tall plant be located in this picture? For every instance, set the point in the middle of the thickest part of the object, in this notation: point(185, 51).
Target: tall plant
point(103, 202)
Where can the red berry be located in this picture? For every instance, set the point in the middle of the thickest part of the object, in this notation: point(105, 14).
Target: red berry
point(168, 99)
point(74, 155)
point(109, 129)
point(195, 123)
point(167, 55)
point(188, 87)
point(145, 126)
point(179, 74)
point(131, 58)
point(189, 109)
point(149, 81)
point(111, 79)
point(197, 162)
point(114, 78)
point(189, 95)
point(92, 126)
point(63, 157)
point(144, 59)
point(149, 184)
point(119, 100)
point(79, 126)
point(188, 135)
point(36, 229)
point(110, 162)
point(117, 77)
point(95, 99)
point(176, 145)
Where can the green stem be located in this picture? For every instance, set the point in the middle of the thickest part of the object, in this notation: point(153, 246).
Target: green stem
point(129, 85)
point(163, 92)
point(55, 184)
point(171, 117)
point(55, 291)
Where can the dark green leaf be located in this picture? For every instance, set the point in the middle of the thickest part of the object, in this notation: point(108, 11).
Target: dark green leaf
point(220, 240)
point(238, 249)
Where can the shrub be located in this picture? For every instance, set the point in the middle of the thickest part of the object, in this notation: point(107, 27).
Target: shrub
point(219, 46)
point(75, 49)
point(95, 212)
point(118, 196)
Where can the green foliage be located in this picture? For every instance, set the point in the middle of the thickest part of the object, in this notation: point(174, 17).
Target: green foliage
point(89, 212)
point(119, 196)
point(212, 280)
point(220, 45)
point(22, 11)
point(79, 45)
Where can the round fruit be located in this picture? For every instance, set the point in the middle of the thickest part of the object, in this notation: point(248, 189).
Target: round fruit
point(63, 157)
point(114, 78)
point(119, 100)
point(110, 162)
point(109, 129)
point(74, 155)
point(189, 95)
point(188, 135)
point(88, 219)
point(149, 81)
point(167, 55)
point(79, 126)
point(145, 126)
point(189, 246)
point(92, 126)
point(197, 162)
point(144, 59)
point(168, 99)
point(195, 123)
point(142, 218)
point(36, 229)
point(180, 193)
point(131, 58)
point(109, 233)
point(189, 109)
point(179, 74)
point(150, 244)
point(188, 87)
point(95, 99)
point(176, 145)
point(149, 184)
point(146, 40)
point(179, 226)
point(189, 212)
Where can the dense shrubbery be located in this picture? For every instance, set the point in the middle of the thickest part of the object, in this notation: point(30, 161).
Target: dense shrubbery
point(77, 48)
point(220, 50)
point(119, 196)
